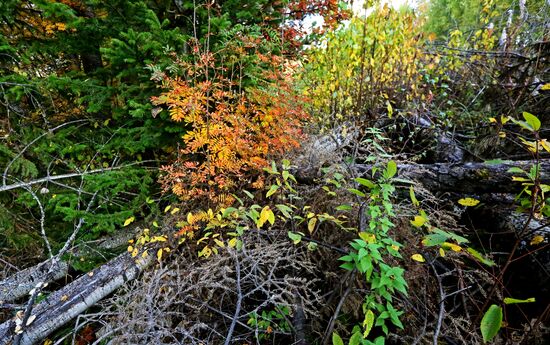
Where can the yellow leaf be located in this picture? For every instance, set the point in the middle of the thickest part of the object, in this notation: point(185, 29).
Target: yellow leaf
point(544, 143)
point(492, 120)
point(175, 210)
point(536, 240)
point(418, 257)
point(190, 218)
point(545, 87)
point(271, 218)
point(144, 255)
point(441, 252)
point(468, 202)
point(264, 216)
point(130, 249)
point(369, 238)
point(129, 221)
point(155, 224)
point(418, 221)
point(64, 298)
point(390, 109)
point(232, 242)
point(519, 179)
point(167, 208)
point(219, 243)
point(48, 342)
point(502, 134)
point(311, 224)
point(451, 246)
point(159, 255)
point(134, 252)
point(158, 239)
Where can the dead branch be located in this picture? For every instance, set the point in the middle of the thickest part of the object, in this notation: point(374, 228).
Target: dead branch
point(63, 305)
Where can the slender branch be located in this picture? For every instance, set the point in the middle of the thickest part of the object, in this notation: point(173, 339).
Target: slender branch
point(239, 302)
point(42, 221)
point(66, 176)
point(336, 313)
point(441, 313)
point(5, 175)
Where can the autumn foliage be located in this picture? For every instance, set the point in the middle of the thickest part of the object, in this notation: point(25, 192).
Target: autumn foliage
point(239, 108)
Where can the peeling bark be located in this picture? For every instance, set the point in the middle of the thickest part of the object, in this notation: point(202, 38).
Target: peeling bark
point(65, 304)
point(20, 283)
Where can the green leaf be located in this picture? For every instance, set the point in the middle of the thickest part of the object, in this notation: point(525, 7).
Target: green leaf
point(271, 190)
point(336, 340)
point(434, 239)
point(248, 194)
point(479, 257)
point(346, 258)
point(391, 170)
point(344, 208)
point(357, 192)
point(533, 171)
point(413, 196)
point(285, 210)
point(296, 238)
point(365, 182)
point(348, 266)
point(286, 174)
point(532, 120)
point(516, 170)
point(497, 161)
point(491, 322)
point(356, 339)
point(509, 300)
point(457, 238)
point(311, 246)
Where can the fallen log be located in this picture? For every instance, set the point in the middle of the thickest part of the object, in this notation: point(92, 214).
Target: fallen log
point(454, 177)
point(63, 305)
point(20, 283)
point(471, 177)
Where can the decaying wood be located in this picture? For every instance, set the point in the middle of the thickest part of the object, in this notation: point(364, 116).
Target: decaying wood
point(470, 177)
point(450, 177)
point(65, 304)
point(20, 283)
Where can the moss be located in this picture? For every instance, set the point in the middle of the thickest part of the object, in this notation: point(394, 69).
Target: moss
point(483, 173)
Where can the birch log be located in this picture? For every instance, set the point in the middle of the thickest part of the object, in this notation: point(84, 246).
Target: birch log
point(65, 304)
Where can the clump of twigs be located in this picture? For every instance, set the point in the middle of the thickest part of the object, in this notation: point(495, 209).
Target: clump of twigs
point(266, 290)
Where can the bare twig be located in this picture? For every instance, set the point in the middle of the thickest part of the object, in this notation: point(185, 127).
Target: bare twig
point(64, 176)
point(239, 302)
